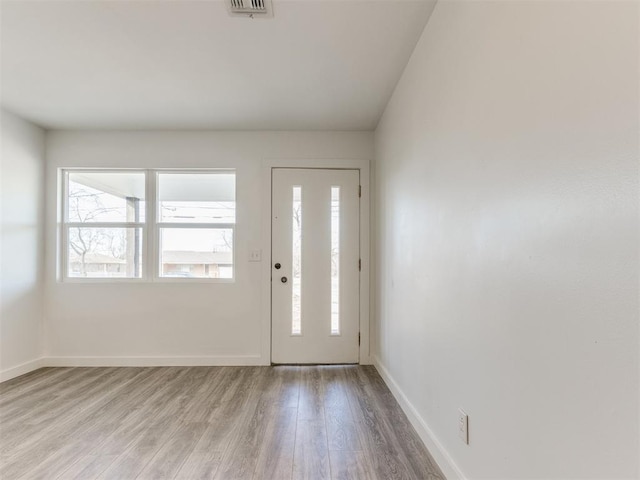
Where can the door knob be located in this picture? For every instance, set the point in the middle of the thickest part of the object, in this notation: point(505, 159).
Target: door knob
point(283, 279)
point(277, 265)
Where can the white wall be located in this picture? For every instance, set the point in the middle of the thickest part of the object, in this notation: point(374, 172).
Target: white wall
point(21, 245)
point(179, 323)
point(507, 239)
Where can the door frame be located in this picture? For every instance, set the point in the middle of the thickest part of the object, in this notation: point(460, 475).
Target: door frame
point(268, 164)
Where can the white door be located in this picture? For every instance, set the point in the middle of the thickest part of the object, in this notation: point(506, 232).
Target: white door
point(315, 278)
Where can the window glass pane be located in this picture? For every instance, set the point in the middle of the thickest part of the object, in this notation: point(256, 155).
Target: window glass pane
point(196, 252)
point(296, 274)
point(335, 260)
point(197, 197)
point(106, 197)
point(104, 252)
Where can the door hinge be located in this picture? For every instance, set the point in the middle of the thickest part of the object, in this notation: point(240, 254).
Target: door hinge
point(359, 264)
point(359, 191)
point(358, 338)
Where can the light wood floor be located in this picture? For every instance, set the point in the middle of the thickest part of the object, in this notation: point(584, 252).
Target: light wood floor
point(207, 422)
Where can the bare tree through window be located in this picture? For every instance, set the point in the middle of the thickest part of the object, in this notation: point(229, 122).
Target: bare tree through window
point(102, 251)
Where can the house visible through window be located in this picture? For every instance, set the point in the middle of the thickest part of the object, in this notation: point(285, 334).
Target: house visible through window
point(197, 214)
point(111, 231)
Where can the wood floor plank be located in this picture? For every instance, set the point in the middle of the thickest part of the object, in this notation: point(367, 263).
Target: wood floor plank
point(169, 459)
point(36, 417)
point(89, 433)
point(20, 388)
point(239, 460)
point(62, 430)
point(200, 466)
point(266, 440)
point(208, 397)
point(288, 394)
point(417, 456)
point(134, 408)
point(81, 445)
point(342, 433)
point(310, 403)
point(16, 467)
point(226, 397)
point(382, 452)
point(275, 456)
point(87, 467)
point(164, 409)
point(74, 434)
point(285, 422)
point(43, 404)
point(140, 452)
point(347, 466)
point(311, 458)
point(275, 390)
point(206, 456)
point(334, 393)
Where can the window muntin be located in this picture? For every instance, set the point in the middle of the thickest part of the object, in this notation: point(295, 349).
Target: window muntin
point(115, 222)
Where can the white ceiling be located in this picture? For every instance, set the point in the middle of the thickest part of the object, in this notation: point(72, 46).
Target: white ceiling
point(318, 64)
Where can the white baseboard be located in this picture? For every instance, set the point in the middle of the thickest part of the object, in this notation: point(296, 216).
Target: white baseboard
point(178, 361)
point(21, 369)
point(440, 455)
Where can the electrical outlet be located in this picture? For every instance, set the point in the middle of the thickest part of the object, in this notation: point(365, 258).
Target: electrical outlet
point(463, 426)
point(255, 255)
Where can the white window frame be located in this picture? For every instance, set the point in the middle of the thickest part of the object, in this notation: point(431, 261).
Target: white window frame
point(150, 254)
point(158, 225)
point(67, 225)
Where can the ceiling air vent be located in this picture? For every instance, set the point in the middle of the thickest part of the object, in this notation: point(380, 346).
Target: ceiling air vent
point(250, 8)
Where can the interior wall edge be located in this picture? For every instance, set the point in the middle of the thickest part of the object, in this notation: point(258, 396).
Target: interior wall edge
point(22, 206)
